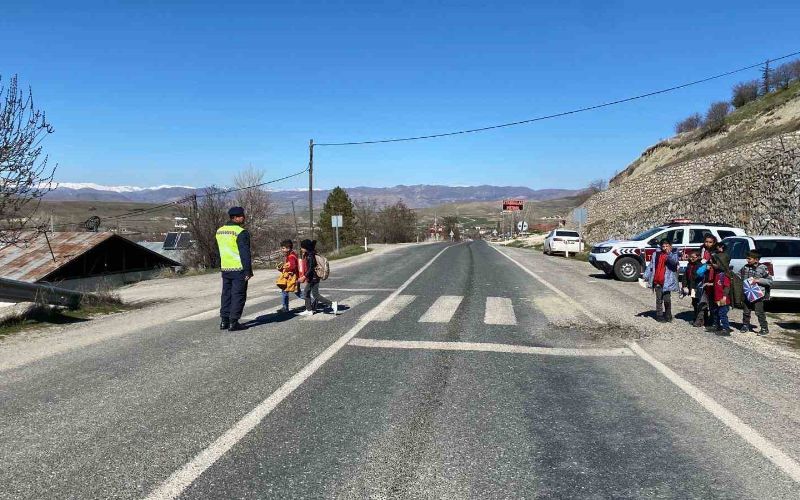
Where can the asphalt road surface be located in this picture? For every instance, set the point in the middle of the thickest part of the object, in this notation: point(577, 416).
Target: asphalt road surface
point(455, 371)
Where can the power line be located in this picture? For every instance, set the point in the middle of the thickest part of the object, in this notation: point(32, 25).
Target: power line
point(556, 115)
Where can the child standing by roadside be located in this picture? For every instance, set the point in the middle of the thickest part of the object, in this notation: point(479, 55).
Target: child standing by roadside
point(290, 273)
point(758, 274)
point(721, 294)
point(690, 282)
point(662, 274)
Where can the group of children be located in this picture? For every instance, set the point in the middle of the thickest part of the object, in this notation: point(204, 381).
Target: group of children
point(709, 281)
point(304, 270)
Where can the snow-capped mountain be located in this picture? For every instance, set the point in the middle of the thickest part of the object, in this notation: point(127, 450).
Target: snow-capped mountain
point(419, 196)
point(87, 191)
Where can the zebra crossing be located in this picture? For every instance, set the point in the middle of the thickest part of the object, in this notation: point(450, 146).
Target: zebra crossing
point(498, 310)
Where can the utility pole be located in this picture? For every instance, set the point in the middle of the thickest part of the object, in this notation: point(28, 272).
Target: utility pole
point(294, 215)
point(311, 187)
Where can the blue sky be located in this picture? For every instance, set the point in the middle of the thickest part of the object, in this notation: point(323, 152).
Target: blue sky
point(163, 92)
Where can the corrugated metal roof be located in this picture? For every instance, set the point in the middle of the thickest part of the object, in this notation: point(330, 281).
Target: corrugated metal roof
point(33, 261)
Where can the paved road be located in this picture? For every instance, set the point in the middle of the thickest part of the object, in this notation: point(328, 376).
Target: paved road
point(453, 374)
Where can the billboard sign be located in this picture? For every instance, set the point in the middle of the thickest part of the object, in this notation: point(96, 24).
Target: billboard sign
point(512, 205)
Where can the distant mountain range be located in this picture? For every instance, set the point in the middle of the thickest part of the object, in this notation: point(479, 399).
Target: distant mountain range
point(419, 196)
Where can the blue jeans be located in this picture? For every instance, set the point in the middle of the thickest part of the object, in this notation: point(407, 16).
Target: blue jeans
point(285, 296)
point(721, 317)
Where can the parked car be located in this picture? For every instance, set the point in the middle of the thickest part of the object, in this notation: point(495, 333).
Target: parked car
point(562, 240)
point(625, 259)
point(781, 255)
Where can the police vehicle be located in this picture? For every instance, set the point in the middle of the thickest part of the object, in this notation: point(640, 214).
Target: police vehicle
point(626, 259)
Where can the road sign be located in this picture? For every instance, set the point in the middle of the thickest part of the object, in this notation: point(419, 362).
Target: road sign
point(512, 205)
point(522, 226)
point(579, 215)
point(337, 221)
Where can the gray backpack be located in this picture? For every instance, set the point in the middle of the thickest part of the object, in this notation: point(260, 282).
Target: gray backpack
point(323, 268)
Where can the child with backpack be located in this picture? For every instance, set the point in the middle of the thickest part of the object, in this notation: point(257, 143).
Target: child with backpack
point(691, 280)
point(288, 281)
point(756, 274)
point(316, 269)
point(721, 294)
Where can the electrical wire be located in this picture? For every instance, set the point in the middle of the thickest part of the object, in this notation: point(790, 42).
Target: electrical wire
point(555, 115)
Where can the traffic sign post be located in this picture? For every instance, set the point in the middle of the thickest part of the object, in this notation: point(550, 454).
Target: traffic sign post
point(336, 223)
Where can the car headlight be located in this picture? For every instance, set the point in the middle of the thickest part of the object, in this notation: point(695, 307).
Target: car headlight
point(601, 249)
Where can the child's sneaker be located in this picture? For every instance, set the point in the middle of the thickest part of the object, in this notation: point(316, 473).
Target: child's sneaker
point(744, 328)
point(306, 313)
point(763, 332)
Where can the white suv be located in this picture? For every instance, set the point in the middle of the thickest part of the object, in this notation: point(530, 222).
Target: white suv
point(626, 259)
point(562, 241)
point(781, 255)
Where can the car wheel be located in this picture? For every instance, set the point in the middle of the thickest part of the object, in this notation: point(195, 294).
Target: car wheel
point(627, 269)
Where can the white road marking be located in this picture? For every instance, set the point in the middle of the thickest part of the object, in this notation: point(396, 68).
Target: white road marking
point(326, 289)
point(499, 311)
point(442, 310)
point(563, 295)
point(176, 483)
point(395, 307)
point(783, 461)
point(350, 302)
point(489, 347)
point(214, 313)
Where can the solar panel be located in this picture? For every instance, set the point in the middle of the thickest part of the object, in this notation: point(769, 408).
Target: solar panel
point(170, 243)
point(184, 241)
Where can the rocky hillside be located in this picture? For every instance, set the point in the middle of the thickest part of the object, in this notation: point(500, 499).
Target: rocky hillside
point(772, 115)
point(745, 175)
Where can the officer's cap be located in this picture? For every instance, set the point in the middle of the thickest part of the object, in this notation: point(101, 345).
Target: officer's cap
point(235, 211)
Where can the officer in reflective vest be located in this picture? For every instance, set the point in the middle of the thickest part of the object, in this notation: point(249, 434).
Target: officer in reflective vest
point(233, 242)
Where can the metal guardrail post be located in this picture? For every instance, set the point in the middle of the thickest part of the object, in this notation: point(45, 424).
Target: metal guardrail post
point(20, 291)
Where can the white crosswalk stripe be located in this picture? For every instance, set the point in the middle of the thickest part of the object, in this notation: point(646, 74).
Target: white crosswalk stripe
point(398, 304)
point(499, 311)
point(442, 310)
point(349, 302)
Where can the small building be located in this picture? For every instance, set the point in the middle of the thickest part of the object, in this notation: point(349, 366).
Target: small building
point(81, 260)
point(175, 246)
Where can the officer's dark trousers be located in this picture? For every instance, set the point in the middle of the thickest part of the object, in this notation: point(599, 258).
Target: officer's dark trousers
point(234, 295)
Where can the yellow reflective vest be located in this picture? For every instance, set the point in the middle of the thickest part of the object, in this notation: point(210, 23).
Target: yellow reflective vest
point(227, 236)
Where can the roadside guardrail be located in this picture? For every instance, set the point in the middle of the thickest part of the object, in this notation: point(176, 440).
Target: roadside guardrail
point(21, 291)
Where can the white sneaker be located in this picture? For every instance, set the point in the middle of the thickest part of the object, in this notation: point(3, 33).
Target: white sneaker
point(335, 307)
point(306, 313)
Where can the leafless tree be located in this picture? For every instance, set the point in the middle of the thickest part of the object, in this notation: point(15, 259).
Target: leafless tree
point(689, 123)
point(366, 215)
point(744, 92)
point(24, 175)
point(596, 186)
point(205, 213)
point(397, 224)
point(716, 114)
point(258, 208)
point(782, 76)
point(794, 68)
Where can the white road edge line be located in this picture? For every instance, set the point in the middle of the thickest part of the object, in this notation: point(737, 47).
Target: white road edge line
point(563, 295)
point(181, 479)
point(489, 347)
point(783, 461)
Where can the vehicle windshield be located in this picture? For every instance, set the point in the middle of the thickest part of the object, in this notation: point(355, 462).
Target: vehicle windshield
point(647, 234)
point(778, 248)
point(567, 233)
